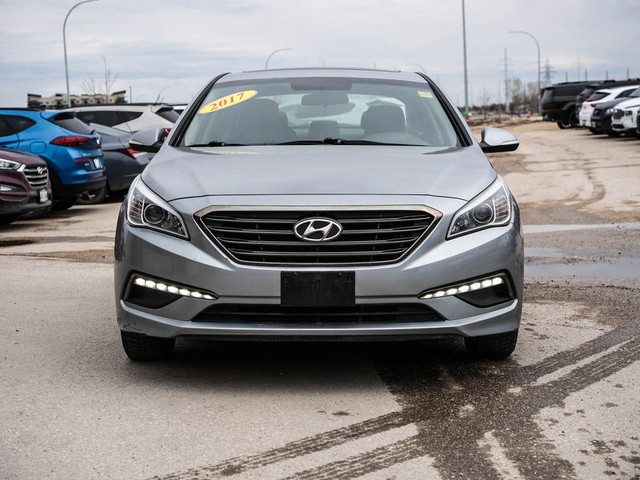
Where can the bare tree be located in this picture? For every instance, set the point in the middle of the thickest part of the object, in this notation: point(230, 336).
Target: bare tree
point(108, 81)
point(524, 96)
point(484, 100)
point(88, 86)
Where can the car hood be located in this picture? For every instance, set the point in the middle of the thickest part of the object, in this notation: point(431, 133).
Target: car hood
point(611, 103)
point(319, 170)
point(628, 102)
point(25, 158)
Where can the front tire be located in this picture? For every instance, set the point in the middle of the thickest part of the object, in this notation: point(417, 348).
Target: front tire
point(495, 347)
point(7, 219)
point(140, 348)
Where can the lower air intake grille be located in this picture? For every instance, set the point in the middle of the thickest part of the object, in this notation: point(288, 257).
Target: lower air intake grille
point(369, 236)
point(277, 315)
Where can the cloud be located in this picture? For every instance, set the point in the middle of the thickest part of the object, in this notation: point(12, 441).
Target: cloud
point(178, 46)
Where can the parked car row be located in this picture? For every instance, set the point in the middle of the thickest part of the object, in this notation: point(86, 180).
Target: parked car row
point(596, 112)
point(570, 104)
point(74, 155)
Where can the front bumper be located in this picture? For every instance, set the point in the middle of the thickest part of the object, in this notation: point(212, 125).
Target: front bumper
point(626, 124)
point(602, 123)
point(17, 196)
point(433, 264)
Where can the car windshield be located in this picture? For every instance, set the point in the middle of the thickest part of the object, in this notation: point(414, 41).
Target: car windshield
point(320, 110)
point(635, 93)
point(69, 121)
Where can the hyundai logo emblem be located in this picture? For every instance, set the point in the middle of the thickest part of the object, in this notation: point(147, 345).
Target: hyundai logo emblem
point(40, 170)
point(317, 229)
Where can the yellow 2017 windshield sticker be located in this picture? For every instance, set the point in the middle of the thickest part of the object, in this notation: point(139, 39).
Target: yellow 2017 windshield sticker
point(228, 101)
point(424, 94)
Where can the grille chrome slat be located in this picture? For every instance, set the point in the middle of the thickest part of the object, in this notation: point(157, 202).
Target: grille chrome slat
point(332, 244)
point(238, 252)
point(265, 235)
point(35, 179)
point(371, 231)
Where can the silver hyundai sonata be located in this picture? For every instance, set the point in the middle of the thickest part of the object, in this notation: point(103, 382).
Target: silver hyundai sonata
point(319, 204)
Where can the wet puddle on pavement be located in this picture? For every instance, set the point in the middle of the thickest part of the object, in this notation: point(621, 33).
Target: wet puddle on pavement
point(582, 263)
point(564, 228)
point(612, 268)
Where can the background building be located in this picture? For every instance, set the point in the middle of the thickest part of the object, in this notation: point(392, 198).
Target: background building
point(59, 100)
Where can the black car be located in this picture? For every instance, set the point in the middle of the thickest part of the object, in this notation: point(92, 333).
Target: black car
point(559, 102)
point(602, 115)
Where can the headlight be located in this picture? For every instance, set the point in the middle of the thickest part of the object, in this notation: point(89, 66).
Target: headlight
point(9, 164)
point(146, 209)
point(492, 208)
point(609, 111)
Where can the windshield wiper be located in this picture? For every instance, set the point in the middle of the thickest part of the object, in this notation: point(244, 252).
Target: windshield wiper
point(216, 143)
point(343, 141)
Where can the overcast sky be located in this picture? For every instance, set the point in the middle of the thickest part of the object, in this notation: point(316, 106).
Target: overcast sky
point(168, 49)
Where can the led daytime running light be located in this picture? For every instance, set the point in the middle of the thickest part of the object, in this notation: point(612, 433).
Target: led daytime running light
point(464, 287)
point(172, 288)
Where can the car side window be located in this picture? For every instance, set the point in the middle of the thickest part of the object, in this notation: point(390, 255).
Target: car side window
point(626, 93)
point(127, 116)
point(12, 124)
point(103, 118)
point(5, 128)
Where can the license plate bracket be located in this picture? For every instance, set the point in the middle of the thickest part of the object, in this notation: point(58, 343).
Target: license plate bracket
point(317, 289)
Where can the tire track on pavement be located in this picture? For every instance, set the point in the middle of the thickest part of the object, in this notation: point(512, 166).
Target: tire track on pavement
point(454, 403)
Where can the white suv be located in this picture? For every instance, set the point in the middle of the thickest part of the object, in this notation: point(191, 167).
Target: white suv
point(624, 115)
point(128, 117)
point(601, 96)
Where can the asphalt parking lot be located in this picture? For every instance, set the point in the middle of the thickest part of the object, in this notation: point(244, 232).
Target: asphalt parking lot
point(565, 405)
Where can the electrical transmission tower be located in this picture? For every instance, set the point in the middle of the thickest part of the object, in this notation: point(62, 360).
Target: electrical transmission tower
point(505, 64)
point(548, 72)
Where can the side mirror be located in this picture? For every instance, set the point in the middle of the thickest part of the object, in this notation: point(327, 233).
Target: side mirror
point(498, 140)
point(148, 140)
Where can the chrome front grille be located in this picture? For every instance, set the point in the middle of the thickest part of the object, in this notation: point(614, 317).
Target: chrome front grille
point(36, 179)
point(258, 235)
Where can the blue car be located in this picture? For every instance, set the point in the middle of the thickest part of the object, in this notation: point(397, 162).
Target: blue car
point(72, 151)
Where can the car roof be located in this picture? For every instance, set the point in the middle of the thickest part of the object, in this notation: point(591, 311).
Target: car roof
point(120, 106)
point(615, 89)
point(363, 73)
point(31, 112)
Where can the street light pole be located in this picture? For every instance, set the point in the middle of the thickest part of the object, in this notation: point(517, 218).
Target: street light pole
point(464, 48)
point(64, 42)
point(266, 64)
point(538, 46)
